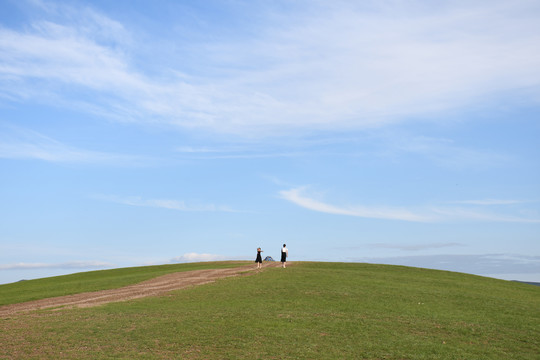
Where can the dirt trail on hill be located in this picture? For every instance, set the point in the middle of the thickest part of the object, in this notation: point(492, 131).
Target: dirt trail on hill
point(152, 287)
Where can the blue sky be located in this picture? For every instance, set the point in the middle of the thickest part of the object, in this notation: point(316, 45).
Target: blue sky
point(397, 132)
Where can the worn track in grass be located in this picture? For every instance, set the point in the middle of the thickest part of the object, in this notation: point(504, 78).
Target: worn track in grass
point(152, 287)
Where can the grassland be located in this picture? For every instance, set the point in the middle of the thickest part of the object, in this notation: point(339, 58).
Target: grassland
point(307, 311)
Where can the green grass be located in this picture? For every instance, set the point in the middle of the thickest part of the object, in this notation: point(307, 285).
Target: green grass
point(96, 280)
point(307, 311)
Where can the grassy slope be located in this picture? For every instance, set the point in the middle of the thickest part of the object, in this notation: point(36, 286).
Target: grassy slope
point(307, 311)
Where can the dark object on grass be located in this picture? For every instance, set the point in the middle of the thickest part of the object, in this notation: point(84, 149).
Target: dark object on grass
point(268, 258)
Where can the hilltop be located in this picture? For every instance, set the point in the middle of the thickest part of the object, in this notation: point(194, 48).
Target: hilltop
point(307, 311)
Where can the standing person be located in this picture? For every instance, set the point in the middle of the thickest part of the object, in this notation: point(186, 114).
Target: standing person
point(284, 255)
point(258, 260)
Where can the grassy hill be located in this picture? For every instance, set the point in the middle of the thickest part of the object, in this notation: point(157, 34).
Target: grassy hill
point(307, 311)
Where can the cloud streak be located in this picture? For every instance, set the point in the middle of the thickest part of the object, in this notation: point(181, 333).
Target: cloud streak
point(206, 153)
point(169, 204)
point(445, 152)
point(19, 143)
point(298, 197)
point(482, 264)
point(416, 247)
point(196, 257)
point(64, 265)
point(489, 202)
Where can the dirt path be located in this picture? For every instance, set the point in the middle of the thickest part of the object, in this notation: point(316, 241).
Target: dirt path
point(152, 287)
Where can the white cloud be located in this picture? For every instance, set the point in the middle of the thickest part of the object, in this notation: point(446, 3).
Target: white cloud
point(195, 257)
point(19, 143)
point(295, 196)
point(205, 153)
point(482, 264)
point(445, 152)
point(200, 150)
point(416, 247)
point(336, 66)
point(420, 214)
point(491, 202)
point(466, 214)
point(65, 265)
point(170, 204)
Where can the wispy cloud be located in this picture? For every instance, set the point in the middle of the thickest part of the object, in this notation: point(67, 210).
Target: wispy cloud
point(297, 197)
point(416, 247)
point(482, 264)
point(19, 143)
point(64, 265)
point(170, 204)
point(489, 202)
point(445, 152)
point(467, 214)
point(196, 257)
point(237, 152)
point(375, 64)
point(430, 213)
point(203, 150)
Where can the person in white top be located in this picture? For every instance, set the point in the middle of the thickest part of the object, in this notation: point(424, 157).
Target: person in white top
point(284, 256)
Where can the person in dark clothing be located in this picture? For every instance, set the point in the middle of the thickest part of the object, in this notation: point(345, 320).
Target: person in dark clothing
point(258, 260)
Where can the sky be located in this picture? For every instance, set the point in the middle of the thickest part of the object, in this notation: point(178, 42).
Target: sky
point(155, 132)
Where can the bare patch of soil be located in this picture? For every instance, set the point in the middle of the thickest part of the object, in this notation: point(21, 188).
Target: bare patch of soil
point(152, 287)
